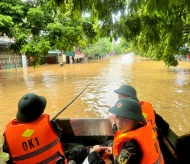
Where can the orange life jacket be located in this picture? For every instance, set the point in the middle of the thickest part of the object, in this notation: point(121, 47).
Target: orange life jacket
point(149, 146)
point(149, 115)
point(33, 142)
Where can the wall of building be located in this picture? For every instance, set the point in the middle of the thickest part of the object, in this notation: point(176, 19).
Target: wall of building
point(9, 59)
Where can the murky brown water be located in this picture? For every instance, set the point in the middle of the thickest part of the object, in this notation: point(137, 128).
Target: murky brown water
point(167, 89)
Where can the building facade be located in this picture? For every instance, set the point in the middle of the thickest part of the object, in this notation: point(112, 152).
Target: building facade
point(7, 58)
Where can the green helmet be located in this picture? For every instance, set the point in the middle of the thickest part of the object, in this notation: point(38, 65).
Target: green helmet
point(127, 90)
point(128, 108)
point(30, 107)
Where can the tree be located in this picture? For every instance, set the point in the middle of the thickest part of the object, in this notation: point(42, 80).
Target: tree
point(158, 29)
point(39, 26)
point(101, 47)
point(27, 22)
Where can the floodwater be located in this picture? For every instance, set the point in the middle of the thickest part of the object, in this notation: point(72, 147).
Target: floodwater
point(168, 89)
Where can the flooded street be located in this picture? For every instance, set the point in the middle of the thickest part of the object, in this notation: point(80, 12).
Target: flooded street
point(168, 89)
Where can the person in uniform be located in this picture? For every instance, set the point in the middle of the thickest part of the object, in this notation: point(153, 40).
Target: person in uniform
point(155, 120)
point(31, 137)
point(133, 139)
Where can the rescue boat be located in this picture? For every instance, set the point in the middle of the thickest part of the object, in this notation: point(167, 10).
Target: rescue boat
point(97, 131)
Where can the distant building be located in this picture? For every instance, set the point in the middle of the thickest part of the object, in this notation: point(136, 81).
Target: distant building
point(76, 57)
point(54, 57)
point(61, 57)
point(7, 58)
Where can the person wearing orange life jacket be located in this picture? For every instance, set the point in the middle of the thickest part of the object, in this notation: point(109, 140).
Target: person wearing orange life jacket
point(156, 121)
point(31, 137)
point(130, 145)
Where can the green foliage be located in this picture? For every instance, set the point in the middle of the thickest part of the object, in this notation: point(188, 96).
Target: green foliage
point(5, 21)
point(20, 37)
point(11, 12)
point(66, 35)
point(89, 30)
point(101, 47)
point(130, 26)
point(156, 28)
point(36, 48)
point(163, 29)
point(122, 47)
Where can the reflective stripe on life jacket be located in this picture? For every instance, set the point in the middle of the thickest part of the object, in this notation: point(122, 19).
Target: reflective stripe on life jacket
point(149, 115)
point(33, 142)
point(160, 158)
point(149, 146)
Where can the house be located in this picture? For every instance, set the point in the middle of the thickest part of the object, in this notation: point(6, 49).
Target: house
point(8, 59)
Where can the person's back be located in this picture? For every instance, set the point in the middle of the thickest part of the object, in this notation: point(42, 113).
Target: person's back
point(30, 138)
point(149, 115)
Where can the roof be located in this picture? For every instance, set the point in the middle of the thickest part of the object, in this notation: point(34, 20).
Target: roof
point(56, 52)
point(76, 54)
point(4, 42)
point(53, 53)
point(70, 53)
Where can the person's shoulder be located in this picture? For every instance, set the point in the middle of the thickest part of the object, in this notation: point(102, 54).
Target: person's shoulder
point(131, 152)
point(131, 143)
point(54, 123)
point(56, 127)
point(142, 102)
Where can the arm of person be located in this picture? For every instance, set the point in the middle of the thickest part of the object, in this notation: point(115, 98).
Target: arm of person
point(94, 157)
point(6, 150)
point(131, 153)
point(56, 128)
